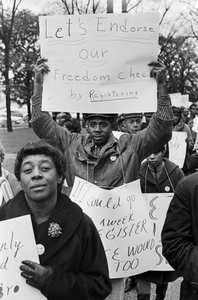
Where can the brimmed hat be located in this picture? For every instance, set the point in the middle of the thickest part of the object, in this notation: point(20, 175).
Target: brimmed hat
point(106, 116)
point(132, 115)
point(119, 119)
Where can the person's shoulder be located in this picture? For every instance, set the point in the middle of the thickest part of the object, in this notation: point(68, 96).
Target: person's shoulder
point(189, 181)
point(170, 164)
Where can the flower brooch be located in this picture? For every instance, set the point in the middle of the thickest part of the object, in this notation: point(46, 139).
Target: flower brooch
point(54, 230)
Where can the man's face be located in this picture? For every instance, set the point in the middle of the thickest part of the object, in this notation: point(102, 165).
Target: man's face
point(100, 130)
point(194, 110)
point(176, 117)
point(185, 112)
point(133, 125)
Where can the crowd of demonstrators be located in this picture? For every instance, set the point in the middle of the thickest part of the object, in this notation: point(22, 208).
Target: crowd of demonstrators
point(73, 264)
point(98, 156)
point(9, 185)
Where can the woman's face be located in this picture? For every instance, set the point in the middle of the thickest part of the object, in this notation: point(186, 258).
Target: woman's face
point(39, 178)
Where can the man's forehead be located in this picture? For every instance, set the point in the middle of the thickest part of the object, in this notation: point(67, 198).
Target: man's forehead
point(134, 119)
point(99, 119)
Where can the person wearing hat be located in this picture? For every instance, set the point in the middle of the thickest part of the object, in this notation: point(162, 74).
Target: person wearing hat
point(120, 123)
point(97, 156)
point(133, 122)
point(157, 175)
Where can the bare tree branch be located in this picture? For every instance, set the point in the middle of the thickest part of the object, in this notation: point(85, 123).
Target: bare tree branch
point(134, 6)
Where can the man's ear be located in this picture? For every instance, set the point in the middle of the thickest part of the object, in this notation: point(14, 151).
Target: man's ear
point(87, 127)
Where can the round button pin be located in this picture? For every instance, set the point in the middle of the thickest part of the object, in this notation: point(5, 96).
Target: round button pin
point(112, 158)
point(167, 188)
point(40, 249)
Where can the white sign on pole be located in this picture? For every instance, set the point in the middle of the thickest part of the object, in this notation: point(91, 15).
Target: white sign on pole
point(176, 99)
point(17, 243)
point(185, 100)
point(177, 148)
point(99, 63)
point(123, 222)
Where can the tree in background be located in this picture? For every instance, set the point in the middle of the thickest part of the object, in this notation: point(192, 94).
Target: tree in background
point(70, 7)
point(25, 50)
point(6, 32)
point(179, 56)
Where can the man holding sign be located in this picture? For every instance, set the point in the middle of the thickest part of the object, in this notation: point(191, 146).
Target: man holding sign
point(98, 157)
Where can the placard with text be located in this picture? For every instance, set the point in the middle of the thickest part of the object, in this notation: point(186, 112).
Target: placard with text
point(17, 243)
point(99, 62)
point(122, 219)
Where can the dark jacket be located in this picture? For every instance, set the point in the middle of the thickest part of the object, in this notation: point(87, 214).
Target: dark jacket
point(180, 235)
point(119, 160)
point(77, 255)
point(170, 176)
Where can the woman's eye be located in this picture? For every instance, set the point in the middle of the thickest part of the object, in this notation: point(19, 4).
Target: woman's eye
point(45, 169)
point(27, 171)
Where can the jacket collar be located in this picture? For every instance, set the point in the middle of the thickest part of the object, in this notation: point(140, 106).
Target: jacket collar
point(66, 213)
point(88, 144)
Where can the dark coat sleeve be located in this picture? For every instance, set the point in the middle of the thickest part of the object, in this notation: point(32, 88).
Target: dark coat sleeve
point(92, 281)
point(180, 233)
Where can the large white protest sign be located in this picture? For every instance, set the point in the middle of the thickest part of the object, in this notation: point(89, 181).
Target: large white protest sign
point(17, 243)
point(176, 99)
point(99, 63)
point(177, 148)
point(123, 222)
point(185, 100)
point(157, 205)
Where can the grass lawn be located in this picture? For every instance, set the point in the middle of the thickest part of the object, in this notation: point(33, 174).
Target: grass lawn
point(13, 141)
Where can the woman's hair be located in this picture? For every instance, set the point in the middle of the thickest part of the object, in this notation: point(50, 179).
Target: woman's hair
point(38, 148)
